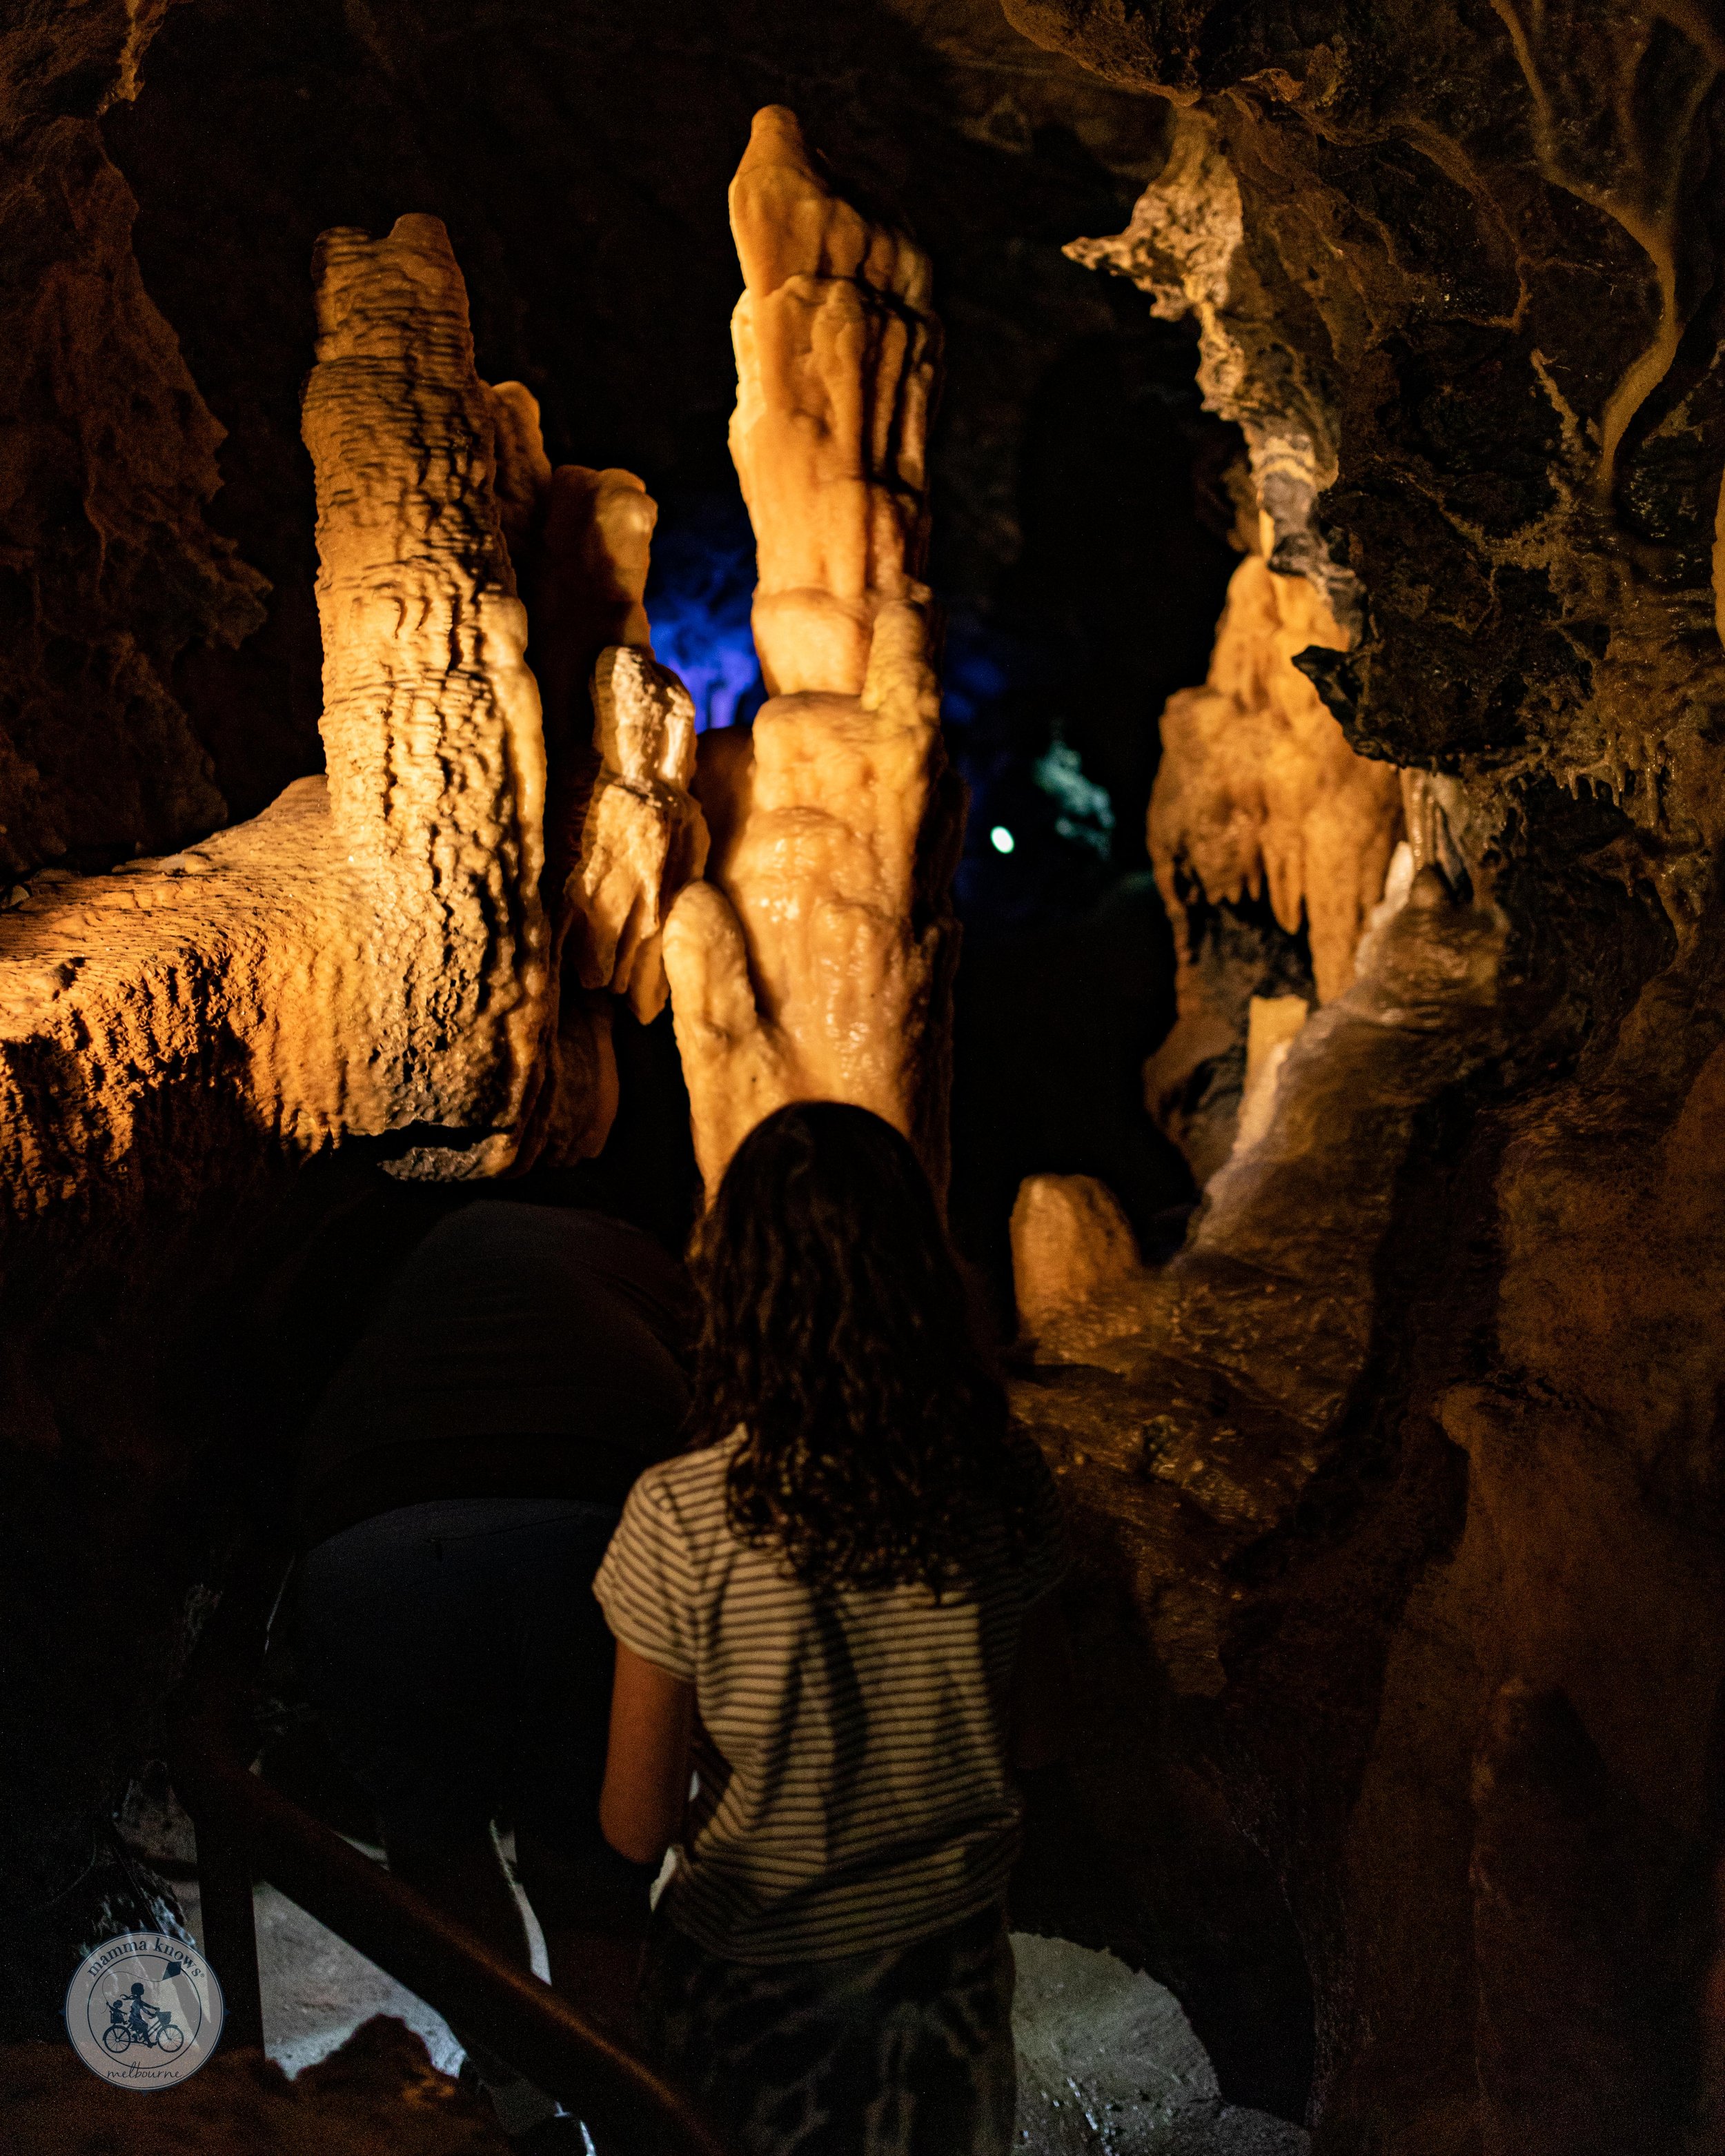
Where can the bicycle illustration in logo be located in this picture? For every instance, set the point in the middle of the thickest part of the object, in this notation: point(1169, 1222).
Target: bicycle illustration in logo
point(143, 2010)
point(130, 2021)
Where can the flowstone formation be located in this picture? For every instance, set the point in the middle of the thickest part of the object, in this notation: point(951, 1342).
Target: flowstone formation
point(1258, 795)
point(372, 957)
point(1399, 1489)
point(815, 963)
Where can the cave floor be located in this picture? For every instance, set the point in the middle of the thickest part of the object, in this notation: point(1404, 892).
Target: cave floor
point(1107, 2063)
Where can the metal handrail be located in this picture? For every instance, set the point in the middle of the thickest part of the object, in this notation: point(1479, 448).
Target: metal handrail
point(244, 1827)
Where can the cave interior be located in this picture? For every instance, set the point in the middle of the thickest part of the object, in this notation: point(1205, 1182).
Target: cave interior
point(1226, 754)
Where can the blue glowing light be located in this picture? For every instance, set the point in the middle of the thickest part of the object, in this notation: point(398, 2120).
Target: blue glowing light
point(1001, 839)
point(698, 599)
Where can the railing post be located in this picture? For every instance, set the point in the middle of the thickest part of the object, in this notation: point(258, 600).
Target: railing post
point(245, 1826)
point(230, 1933)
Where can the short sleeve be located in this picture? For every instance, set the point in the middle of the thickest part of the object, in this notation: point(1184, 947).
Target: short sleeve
point(645, 1584)
point(1045, 1554)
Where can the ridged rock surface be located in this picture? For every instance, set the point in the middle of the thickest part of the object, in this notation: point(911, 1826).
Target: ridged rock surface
point(816, 961)
point(431, 723)
point(624, 833)
point(836, 356)
point(370, 957)
point(234, 979)
point(643, 837)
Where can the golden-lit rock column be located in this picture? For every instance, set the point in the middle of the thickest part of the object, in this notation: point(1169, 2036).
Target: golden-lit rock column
point(623, 832)
point(816, 961)
point(1258, 794)
point(431, 718)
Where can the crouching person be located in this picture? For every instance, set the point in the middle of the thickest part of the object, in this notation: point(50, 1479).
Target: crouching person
point(462, 1476)
point(823, 1606)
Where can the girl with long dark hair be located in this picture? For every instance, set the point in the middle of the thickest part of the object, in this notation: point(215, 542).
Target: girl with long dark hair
point(822, 1604)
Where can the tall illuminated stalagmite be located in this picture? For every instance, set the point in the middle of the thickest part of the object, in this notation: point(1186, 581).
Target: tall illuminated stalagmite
point(431, 719)
point(436, 500)
point(817, 960)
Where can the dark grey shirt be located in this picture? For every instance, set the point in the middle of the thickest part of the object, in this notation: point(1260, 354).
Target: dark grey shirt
point(521, 1351)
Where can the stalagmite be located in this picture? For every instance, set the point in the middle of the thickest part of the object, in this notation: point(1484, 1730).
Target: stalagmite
point(817, 961)
point(596, 537)
point(431, 719)
point(623, 832)
point(373, 953)
point(1069, 1240)
point(643, 838)
point(836, 352)
point(520, 471)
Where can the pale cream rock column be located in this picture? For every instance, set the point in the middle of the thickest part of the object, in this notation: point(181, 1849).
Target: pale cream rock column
point(643, 837)
point(816, 961)
point(431, 721)
point(836, 353)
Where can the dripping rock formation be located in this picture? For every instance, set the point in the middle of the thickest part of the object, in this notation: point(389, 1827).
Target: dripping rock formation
point(1258, 795)
point(434, 747)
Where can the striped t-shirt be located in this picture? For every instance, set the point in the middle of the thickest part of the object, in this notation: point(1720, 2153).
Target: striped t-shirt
point(854, 1792)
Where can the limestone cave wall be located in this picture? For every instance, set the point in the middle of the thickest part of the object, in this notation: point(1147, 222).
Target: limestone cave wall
point(1441, 1646)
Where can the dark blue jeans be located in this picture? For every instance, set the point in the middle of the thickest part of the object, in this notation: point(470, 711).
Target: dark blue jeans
point(463, 1668)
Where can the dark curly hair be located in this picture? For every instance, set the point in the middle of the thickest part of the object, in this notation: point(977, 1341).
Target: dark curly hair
point(838, 1337)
